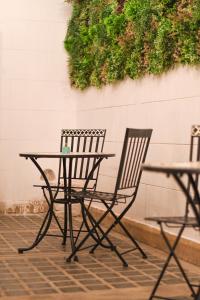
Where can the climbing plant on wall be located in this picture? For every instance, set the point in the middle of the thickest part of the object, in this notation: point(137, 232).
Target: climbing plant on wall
point(108, 40)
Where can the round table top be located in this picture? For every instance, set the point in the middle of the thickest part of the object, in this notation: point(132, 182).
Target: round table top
point(66, 155)
point(173, 167)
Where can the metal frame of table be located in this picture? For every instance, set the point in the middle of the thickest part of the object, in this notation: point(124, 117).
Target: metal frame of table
point(67, 197)
point(177, 170)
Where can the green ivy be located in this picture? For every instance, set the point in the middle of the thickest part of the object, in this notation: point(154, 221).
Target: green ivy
point(108, 40)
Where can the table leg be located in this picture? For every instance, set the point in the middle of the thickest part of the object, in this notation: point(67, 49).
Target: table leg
point(48, 218)
point(65, 223)
point(171, 254)
point(68, 218)
point(71, 231)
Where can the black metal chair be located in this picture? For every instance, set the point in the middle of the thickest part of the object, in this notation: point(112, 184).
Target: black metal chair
point(136, 143)
point(180, 222)
point(78, 140)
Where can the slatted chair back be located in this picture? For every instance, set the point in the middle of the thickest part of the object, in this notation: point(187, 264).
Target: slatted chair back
point(136, 143)
point(195, 156)
point(195, 143)
point(82, 140)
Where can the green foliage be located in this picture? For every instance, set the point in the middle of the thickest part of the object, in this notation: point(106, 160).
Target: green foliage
point(108, 40)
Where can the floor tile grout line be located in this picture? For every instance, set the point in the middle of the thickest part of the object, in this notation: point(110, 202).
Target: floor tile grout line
point(156, 261)
point(17, 276)
point(7, 242)
point(24, 240)
point(96, 276)
point(43, 276)
point(143, 273)
point(71, 277)
point(129, 280)
point(159, 268)
point(136, 269)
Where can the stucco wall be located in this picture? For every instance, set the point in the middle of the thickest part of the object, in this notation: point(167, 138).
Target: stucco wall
point(170, 105)
point(36, 100)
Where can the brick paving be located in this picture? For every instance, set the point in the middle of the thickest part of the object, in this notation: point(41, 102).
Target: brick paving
point(43, 271)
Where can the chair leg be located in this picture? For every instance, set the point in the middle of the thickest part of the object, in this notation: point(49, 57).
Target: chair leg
point(112, 246)
point(132, 239)
point(71, 231)
point(171, 254)
point(198, 294)
point(54, 215)
point(79, 232)
point(65, 223)
point(118, 222)
point(97, 225)
point(95, 236)
point(84, 222)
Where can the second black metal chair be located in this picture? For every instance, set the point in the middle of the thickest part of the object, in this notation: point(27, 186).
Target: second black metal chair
point(135, 146)
point(180, 222)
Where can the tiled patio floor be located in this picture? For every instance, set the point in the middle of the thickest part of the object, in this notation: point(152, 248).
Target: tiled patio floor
point(43, 273)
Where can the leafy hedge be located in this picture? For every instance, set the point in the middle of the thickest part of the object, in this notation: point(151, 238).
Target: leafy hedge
point(108, 40)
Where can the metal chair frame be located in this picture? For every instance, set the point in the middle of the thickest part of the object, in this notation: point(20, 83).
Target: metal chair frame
point(135, 146)
point(193, 204)
point(78, 140)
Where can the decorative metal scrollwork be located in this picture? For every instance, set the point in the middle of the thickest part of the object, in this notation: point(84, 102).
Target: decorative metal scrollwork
point(195, 130)
point(82, 132)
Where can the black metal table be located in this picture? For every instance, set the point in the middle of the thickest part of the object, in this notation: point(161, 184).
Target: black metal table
point(67, 188)
point(179, 171)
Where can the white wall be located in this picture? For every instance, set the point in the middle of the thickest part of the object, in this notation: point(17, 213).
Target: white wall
point(36, 100)
point(170, 105)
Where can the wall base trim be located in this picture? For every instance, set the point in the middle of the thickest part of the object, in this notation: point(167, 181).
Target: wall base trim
point(24, 207)
point(187, 250)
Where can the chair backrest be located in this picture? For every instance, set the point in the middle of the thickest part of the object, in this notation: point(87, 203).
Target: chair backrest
point(134, 151)
point(195, 155)
point(195, 143)
point(82, 140)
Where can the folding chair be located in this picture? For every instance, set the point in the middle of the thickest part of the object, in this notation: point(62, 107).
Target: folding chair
point(78, 140)
point(136, 143)
point(180, 222)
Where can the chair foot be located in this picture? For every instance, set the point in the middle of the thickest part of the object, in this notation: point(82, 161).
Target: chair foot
point(76, 258)
point(113, 248)
point(68, 260)
point(20, 251)
point(125, 264)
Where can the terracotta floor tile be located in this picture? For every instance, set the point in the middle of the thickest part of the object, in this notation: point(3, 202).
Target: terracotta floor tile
point(44, 272)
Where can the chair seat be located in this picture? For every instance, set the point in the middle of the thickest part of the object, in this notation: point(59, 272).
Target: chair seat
point(189, 221)
point(99, 195)
point(76, 183)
